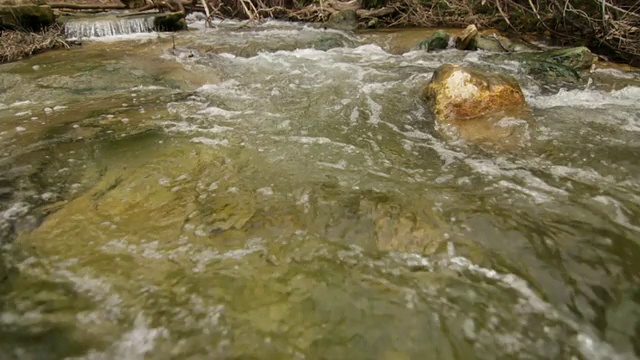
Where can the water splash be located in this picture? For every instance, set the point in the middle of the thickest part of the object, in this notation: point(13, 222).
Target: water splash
point(107, 28)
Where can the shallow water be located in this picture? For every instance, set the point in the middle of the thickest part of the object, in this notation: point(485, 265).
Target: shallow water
point(280, 191)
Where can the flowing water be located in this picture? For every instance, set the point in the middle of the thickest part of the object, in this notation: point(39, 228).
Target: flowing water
point(281, 192)
point(107, 26)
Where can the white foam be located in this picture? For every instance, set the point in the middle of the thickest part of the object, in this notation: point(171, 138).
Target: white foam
point(617, 73)
point(108, 28)
point(493, 168)
point(228, 89)
point(618, 214)
point(632, 124)
point(340, 165)
point(147, 87)
point(211, 142)
point(581, 175)
point(16, 211)
point(590, 345)
point(133, 345)
point(266, 191)
point(590, 99)
point(185, 127)
point(216, 111)
point(20, 103)
point(375, 110)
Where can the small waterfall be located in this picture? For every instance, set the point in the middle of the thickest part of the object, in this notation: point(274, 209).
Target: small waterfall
point(111, 27)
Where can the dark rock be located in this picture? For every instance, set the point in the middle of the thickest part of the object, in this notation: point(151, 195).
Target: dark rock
point(26, 17)
point(578, 58)
point(439, 40)
point(346, 20)
point(466, 37)
point(170, 22)
point(133, 4)
point(551, 71)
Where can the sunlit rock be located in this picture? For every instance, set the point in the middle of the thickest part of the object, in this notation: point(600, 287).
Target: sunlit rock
point(475, 103)
point(461, 93)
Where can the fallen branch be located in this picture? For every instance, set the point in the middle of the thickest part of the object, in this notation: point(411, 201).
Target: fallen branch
point(87, 6)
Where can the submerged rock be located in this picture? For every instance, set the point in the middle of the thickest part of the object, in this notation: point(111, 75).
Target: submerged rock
point(551, 71)
point(556, 65)
point(477, 105)
point(578, 58)
point(346, 20)
point(439, 40)
point(26, 17)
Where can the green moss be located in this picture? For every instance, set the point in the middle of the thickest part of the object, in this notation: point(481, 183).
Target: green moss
point(551, 70)
point(578, 57)
point(437, 41)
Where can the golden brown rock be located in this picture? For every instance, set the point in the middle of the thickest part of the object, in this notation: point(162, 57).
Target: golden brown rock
point(459, 93)
point(475, 104)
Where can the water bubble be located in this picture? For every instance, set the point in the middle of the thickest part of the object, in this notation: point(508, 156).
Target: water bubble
point(469, 329)
point(266, 191)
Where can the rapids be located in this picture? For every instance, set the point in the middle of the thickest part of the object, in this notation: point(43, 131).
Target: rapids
point(279, 191)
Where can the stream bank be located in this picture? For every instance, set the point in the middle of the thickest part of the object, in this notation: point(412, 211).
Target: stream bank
point(609, 30)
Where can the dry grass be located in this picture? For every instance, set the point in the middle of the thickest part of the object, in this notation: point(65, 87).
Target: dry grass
point(16, 45)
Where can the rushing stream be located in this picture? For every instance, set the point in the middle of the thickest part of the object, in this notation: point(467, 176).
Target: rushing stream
point(279, 191)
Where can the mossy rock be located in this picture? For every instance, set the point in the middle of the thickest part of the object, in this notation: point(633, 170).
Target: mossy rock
point(25, 17)
point(439, 40)
point(551, 70)
point(346, 20)
point(577, 58)
point(492, 43)
point(170, 22)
